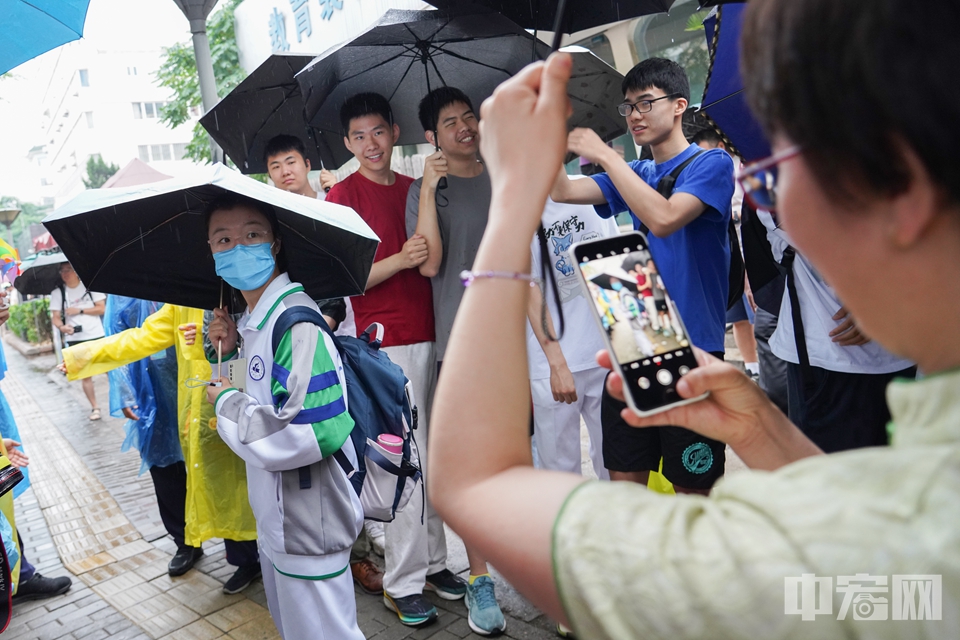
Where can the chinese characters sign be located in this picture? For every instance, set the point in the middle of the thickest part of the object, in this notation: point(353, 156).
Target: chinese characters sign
point(865, 597)
point(300, 9)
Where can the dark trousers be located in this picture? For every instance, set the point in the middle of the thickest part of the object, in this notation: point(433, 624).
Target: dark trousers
point(773, 370)
point(170, 485)
point(841, 411)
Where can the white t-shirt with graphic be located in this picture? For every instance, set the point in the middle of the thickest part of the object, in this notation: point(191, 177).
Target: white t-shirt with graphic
point(91, 327)
point(566, 224)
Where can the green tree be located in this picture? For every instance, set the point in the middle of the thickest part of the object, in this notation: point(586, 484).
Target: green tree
point(179, 73)
point(98, 172)
point(30, 213)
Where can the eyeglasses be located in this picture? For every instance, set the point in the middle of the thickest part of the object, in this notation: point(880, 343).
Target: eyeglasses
point(643, 106)
point(759, 180)
point(223, 241)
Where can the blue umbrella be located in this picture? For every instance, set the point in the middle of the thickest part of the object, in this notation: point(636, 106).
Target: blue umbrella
point(32, 27)
point(723, 99)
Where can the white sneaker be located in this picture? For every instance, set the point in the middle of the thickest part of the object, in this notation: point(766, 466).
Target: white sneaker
point(375, 531)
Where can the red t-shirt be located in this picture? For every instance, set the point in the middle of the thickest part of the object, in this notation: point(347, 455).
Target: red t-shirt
point(403, 304)
point(641, 282)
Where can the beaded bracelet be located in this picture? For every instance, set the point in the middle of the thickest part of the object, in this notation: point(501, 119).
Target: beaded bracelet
point(467, 277)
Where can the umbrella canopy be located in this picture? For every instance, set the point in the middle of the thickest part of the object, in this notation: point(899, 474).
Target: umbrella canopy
point(41, 275)
point(724, 102)
point(594, 91)
point(35, 27)
point(579, 14)
point(266, 104)
point(404, 56)
point(603, 279)
point(150, 242)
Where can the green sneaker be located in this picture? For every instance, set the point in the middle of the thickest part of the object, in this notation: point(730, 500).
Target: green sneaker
point(414, 611)
point(484, 615)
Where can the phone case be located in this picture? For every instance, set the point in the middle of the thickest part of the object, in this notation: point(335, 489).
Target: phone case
point(628, 396)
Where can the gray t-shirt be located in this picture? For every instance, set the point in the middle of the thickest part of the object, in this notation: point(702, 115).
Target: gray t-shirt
point(462, 219)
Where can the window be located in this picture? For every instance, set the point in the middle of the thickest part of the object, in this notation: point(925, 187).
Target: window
point(162, 152)
point(131, 71)
point(678, 36)
point(89, 116)
point(147, 109)
point(84, 77)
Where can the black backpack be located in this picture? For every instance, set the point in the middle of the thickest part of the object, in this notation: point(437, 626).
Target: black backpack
point(736, 273)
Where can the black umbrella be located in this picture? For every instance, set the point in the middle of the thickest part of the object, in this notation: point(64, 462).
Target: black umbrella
point(404, 56)
point(42, 275)
point(604, 279)
point(266, 104)
point(578, 15)
point(594, 91)
point(150, 242)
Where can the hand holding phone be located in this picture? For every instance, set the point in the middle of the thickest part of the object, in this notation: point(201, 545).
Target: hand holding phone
point(645, 336)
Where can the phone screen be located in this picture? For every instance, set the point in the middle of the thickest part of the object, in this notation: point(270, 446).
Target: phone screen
point(643, 328)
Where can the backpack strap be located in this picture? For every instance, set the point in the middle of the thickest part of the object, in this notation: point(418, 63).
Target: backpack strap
point(669, 181)
point(297, 315)
point(789, 255)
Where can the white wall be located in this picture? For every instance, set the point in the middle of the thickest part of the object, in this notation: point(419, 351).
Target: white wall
point(254, 20)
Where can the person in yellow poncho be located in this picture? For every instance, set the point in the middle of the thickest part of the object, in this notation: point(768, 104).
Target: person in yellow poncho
point(217, 504)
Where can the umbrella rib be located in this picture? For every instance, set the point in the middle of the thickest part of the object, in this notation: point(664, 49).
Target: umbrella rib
point(324, 251)
point(267, 119)
point(716, 102)
point(368, 69)
point(400, 82)
point(470, 60)
point(133, 241)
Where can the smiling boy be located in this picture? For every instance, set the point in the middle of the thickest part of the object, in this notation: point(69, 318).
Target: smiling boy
point(399, 297)
point(688, 240)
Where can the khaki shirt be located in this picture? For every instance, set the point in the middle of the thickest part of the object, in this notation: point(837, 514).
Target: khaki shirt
point(631, 563)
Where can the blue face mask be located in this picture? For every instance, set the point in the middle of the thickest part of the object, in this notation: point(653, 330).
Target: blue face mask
point(616, 285)
point(246, 267)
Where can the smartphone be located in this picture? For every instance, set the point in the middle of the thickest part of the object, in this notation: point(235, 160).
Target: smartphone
point(648, 343)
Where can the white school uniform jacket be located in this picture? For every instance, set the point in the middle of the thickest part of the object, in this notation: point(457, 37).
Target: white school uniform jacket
point(293, 414)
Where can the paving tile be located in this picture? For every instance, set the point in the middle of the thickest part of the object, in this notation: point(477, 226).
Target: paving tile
point(90, 563)
point(257, 629)
point(199, 630)
point(234, 616)
point(133, 595)
point(150, 608)
point(131, 549)
point(169, 621)
point(122, 582)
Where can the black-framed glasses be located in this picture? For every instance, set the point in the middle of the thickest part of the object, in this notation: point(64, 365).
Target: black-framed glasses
point(641, 106)
point(759, 180)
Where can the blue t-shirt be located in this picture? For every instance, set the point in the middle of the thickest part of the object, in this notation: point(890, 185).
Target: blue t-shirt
point(694, 261)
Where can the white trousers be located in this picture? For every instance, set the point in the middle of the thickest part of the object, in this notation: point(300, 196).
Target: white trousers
point(311, 609)
point(557, 424)
point(413, 550)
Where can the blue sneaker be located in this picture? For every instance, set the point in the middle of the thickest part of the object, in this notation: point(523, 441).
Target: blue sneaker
point(414, 611)
point(484, 615)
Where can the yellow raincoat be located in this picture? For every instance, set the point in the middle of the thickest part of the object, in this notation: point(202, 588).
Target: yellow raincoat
point(217, 503)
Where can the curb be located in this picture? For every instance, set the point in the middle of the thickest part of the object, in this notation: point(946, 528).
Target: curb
point(25, 348)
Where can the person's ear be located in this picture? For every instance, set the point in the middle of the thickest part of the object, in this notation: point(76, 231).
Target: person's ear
point(914, 213)
point(430, 138)
point(346, 143)
point(306, 161)
point(275, 247)
point(396, 132)
point(680, 106)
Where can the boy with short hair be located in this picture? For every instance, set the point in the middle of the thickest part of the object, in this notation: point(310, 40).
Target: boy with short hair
point(451, 217)
point(688, 239)
point(289, 167)
point(398, 297)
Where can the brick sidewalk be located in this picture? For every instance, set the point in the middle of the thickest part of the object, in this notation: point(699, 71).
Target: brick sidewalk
point(89, 515)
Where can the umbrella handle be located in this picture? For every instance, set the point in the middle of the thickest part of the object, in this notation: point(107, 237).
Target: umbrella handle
point(558, 21)
point(220, 342)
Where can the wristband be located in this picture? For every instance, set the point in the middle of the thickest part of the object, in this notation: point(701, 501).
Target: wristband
point(467, 277)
